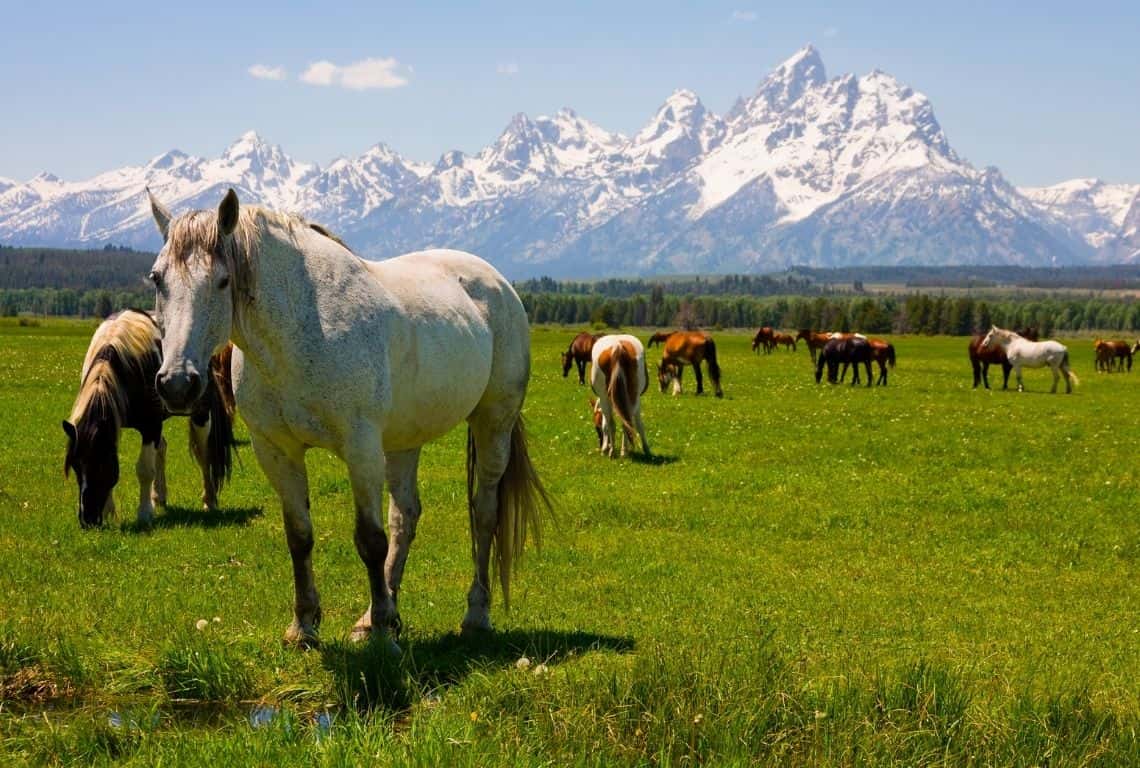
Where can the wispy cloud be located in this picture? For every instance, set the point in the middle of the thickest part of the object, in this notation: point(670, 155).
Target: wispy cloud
point(508, 68)
point(748, 16)
point(265, 72)
point(362, 75)
point(830, 32)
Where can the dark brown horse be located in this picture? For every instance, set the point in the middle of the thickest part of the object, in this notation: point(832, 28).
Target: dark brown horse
point(815, 340)
point(883, 353)
point(982, 359)
point(849, 350)
point(579, 352)
point(1112, 354)
point(681, 348)
point(118, 392)
point(763, 338)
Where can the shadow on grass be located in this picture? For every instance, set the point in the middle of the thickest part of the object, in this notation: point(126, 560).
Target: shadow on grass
point(195, 517)
point(368, 677)
point(653, 460)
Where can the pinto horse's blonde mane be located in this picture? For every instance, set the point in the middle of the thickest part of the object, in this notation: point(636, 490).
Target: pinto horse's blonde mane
point(197, 231)
point(132, 335)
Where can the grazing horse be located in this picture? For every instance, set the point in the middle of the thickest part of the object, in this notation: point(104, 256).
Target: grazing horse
point(579, 352)
point(1023, 353)
point(369, 360)
point(883, 353)
point(686, 347)
point(1110, 353)
point(763, 338)
point(117, 391)
point(619, 378)
point(850, 350)
point(815, 340)
point(785, 339)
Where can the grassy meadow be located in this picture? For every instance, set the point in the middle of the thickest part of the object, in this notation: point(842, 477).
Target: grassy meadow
point(917, 574)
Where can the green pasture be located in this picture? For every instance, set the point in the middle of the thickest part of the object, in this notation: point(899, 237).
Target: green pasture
point(915, 574)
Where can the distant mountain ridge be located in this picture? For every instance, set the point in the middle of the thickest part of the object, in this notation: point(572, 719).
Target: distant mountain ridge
point(849, 171)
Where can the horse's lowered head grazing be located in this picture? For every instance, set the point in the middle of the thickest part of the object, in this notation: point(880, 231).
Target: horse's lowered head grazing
point(198, 272)
point(93, 456)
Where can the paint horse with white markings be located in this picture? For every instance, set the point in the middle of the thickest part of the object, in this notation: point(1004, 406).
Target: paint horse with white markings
point(1023, 353)
point(619, 378)
point(117, 391)
point(369, 360)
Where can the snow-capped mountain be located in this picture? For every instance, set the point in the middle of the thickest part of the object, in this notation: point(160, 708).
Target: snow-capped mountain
point(806, 170)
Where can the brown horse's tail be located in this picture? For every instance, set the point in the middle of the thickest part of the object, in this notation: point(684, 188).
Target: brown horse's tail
point(714, 366)
point(522, 500)
point(221, 442)
point(622, 388)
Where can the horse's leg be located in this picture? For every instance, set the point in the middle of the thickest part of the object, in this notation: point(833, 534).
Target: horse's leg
point(1020, 383)
point(609, 436)
point(159, 496)
point(977, 373)
point(640, 427)
point(403, 514)
point(284, 467)
point(1005, 369)
point(491, 433)
point(1056, 377)
point(144, 470)
point(366, 473)
point(700, 377)
point(867, 365)
point(581, 371)
point(677, 380)
point(200, 447)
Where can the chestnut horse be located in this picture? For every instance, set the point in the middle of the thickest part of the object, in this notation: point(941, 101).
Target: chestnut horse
point(883, 353)
point(686, 347)
point(1110, 353)
point(815, 340)
point(619, 378)
point(579, 352)
point(982, 359)
point(763, 337)
point(783, 338)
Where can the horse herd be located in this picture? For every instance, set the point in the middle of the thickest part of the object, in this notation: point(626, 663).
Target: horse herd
point(271, 314)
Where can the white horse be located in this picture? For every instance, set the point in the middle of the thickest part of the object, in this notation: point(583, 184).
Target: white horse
point(368, 360)
point(1022, 352)
point(619, 378)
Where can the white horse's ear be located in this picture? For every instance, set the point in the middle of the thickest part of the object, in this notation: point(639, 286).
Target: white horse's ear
point(228, 214)
point(161, 215)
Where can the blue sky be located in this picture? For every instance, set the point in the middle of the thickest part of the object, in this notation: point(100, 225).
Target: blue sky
point(1046, 92)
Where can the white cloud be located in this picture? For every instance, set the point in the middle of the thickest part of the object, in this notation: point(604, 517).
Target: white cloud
point(748, 16)
point(265, 72)
point(507, 68)
point(830, 32)
point(362, 75)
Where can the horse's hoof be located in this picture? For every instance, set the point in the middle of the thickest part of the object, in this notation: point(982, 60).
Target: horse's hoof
point(301, 638)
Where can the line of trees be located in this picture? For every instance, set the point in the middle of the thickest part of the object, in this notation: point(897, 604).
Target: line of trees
point(915, 313)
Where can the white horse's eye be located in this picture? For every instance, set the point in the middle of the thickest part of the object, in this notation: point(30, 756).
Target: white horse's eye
point(224, 283)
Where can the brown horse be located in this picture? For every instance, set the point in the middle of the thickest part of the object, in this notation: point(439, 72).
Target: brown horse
point(763, 337)
point(883, 353)
point(1112, 353)
point(815, 340)
point(787, 340)
point(619, 378)
point(686, 347)
point(982, 359)
point(579, 352)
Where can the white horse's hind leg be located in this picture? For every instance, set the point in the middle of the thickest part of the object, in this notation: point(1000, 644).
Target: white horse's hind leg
point(1056, 377)
point(491, 432)
point(403, 514)
point(144, 470)
point(285, 469)
point(640, 428)
point(159, 495)
point(200, 447)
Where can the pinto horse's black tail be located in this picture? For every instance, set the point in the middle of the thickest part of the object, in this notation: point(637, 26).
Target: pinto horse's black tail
point(221, 440)
point(714, 367)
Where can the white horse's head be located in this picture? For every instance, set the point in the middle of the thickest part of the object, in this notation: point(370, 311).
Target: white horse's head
point(194, 296)
point(994, 337)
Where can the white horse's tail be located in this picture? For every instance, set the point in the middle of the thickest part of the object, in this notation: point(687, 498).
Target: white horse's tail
point(522, 500)
point(1069, 369)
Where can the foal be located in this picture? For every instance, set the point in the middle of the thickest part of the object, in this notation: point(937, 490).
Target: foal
point(619, 378)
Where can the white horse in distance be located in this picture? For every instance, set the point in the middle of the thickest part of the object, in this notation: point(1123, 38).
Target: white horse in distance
point(1023, 353)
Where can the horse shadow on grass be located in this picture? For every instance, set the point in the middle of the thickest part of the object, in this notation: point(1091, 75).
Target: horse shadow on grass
point(367, 677)
point(654, 459)
point(175, 516)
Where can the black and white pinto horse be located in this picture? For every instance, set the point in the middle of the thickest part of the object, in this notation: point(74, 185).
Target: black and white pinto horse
point(117, 391)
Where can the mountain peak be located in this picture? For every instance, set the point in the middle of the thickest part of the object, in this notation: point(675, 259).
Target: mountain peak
point(802, 70)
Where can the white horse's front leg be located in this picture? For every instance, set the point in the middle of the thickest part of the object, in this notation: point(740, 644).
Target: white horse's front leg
point(403, 515)
point(1020, 384)
point(200, 447)
point(144, 470)
point(284, 467)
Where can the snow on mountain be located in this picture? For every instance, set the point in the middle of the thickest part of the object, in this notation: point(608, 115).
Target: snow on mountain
point(806, 170)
